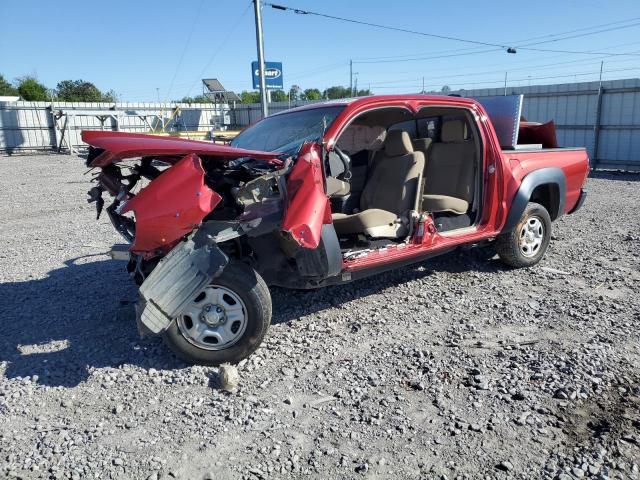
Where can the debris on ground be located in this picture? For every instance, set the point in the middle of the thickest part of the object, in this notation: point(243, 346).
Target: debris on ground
point(228, 377)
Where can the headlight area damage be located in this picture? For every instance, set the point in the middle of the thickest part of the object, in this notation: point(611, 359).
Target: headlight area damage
point(186, 208)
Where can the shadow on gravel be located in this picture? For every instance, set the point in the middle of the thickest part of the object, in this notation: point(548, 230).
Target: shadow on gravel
point(80, 316)
point(289, 305)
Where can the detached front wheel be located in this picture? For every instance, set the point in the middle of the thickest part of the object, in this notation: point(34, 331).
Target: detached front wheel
point(526, 244)
point(226, 322)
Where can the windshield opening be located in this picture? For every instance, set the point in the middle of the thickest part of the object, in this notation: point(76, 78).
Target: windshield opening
point(287, 132)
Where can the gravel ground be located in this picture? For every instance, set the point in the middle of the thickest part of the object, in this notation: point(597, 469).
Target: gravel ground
point(454, 368)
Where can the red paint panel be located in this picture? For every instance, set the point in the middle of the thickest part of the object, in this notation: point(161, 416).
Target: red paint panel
point(121, 145)
point(573, 162)
point(308, 207)
point(172, 205)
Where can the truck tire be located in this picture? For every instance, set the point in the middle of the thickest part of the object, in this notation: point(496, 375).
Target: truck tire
point(226, 322)
point(526, 243)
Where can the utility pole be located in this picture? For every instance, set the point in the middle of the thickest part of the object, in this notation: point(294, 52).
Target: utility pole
point(350, 77)
point(601, 65)
point(505, 84)
point(596, 126)
point(260, 45)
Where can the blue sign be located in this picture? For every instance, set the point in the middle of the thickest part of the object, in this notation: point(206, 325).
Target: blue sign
point(272, 75)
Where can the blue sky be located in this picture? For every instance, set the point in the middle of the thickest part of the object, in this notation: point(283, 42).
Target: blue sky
point(135, 47)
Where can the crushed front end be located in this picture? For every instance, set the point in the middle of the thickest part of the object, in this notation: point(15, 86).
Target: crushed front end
point(181, 206)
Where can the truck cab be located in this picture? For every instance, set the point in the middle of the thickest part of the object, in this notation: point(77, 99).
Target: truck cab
point(407, 177)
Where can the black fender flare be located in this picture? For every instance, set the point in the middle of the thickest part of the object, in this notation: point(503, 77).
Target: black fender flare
point(543, 176)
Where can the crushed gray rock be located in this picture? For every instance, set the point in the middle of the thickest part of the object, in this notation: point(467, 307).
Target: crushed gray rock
point(228, 377)
point(422, 372)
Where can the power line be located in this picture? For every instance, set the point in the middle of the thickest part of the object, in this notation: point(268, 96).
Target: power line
point(581, 35)
point(386, 27)
point(546, 36)
point(184, 50)
point(527, 63)
point(509, 49)
point(219, 49)
point(510, 68)
point(433, 57)
point(573, 52)
point(490, 82)
point(579, 29)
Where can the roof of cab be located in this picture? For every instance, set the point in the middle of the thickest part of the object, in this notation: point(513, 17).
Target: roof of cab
point(378, 99)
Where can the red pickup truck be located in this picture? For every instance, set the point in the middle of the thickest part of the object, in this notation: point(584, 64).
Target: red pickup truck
point(321, 195)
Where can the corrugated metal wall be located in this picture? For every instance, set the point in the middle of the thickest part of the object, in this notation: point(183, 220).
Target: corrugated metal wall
point(27, 124)
point(574, 109)
point(581, 111)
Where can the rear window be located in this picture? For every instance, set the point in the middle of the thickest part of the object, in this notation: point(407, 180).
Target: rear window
point(409, 126)
point(429, 128)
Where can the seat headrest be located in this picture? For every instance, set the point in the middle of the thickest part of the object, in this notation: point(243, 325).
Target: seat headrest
point(397, 143)
point(453, 131)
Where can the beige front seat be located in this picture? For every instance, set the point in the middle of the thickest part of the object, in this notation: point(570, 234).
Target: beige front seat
point(450, 172)
point(390, 192)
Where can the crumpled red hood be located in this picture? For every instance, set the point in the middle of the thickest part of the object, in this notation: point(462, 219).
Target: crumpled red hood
point(120, 145)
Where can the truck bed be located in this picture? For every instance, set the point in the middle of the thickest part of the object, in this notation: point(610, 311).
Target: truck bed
point(573, 161)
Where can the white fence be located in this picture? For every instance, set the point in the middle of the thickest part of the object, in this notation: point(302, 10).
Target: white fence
point(604, 119)
point(30, 126)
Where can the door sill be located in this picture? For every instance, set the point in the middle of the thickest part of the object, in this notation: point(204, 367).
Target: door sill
point(459, 231)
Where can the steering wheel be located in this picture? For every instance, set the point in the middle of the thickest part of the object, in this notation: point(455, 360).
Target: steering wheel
point(346, 162)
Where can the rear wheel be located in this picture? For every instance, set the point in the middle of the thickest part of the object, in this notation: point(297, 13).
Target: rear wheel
point(226, 322)
point(526, 244)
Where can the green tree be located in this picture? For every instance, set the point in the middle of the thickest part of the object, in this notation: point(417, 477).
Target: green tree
point(278, 96)
point(311, 94)
point(109, 96)
point(250, 97)
point(6, 88)
point(196, 99)
point(336, 92)
point(30, 89)
point(78, 91)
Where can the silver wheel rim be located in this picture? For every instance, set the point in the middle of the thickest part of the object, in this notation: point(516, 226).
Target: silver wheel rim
point(531, 236)
point(215, 319)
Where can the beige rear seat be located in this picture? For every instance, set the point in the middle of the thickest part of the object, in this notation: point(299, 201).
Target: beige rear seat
point(450, 172)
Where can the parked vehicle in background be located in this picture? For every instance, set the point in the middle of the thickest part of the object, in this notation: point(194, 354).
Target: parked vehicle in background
point(319, 195)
